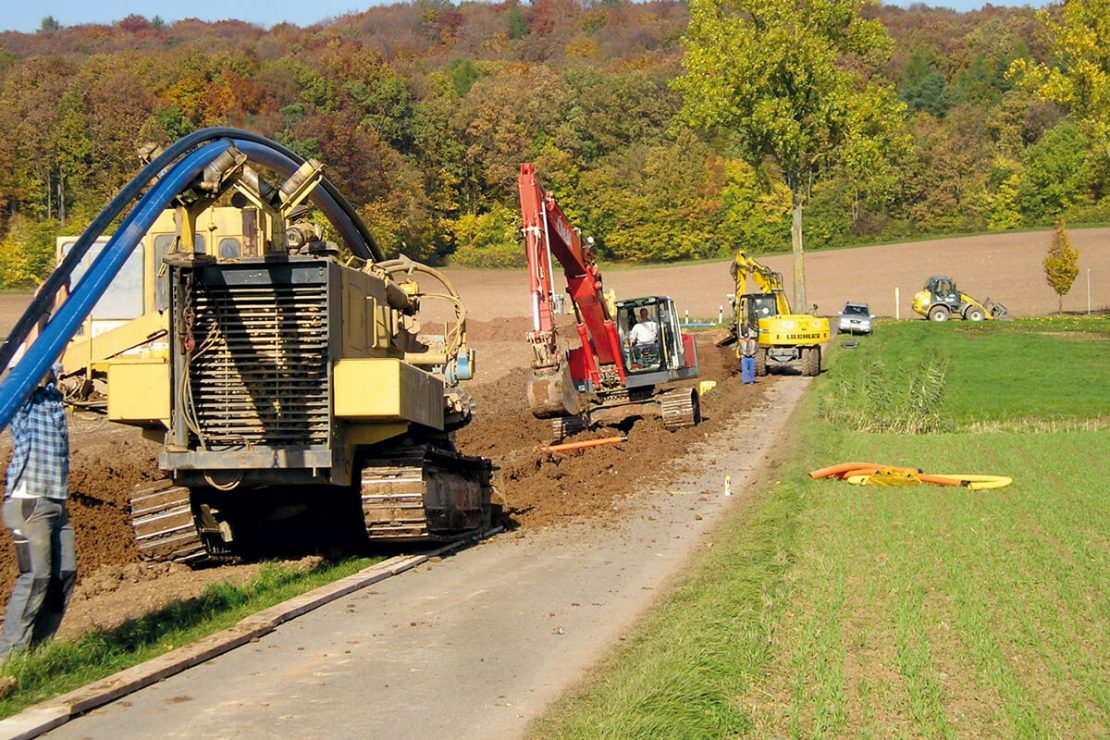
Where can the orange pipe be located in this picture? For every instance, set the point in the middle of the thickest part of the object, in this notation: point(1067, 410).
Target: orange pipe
point(860, 471)
point(568, 446)
point(842, 469)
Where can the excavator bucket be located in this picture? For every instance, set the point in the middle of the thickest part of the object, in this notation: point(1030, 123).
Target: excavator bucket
point(727, 338)
point(552, 394)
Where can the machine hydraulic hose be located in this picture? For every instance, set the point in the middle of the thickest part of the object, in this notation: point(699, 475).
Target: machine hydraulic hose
point(69, 316)
point(359, 239)
point(331, 203)
point(174, 171)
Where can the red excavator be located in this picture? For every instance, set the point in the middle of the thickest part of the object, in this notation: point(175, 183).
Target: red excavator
point(628, 350)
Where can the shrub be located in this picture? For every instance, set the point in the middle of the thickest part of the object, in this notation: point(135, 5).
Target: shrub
point(487, 239)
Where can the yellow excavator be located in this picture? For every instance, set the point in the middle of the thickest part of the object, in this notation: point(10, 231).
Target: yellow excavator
point(784, 337)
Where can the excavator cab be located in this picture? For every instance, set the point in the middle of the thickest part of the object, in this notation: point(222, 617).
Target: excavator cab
point(651, 338)
point(758, 306)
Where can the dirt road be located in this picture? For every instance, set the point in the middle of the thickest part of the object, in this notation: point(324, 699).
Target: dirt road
point(473, 646)
point(540, 490)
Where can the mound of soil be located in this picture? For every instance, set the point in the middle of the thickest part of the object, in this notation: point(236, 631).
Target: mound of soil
point(543, 488)
point(499, 330)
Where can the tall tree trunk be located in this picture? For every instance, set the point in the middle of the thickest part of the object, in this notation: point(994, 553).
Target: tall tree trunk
point(799, 253)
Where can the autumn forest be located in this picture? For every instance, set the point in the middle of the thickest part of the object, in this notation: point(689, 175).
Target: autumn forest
point(422, 113)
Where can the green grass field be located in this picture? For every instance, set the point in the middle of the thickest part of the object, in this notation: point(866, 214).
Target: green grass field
point(829, 609)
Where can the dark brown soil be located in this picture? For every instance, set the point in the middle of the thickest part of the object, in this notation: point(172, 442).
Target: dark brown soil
point(543, 488)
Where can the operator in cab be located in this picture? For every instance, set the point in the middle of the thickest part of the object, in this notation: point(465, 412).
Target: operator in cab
point(646, 331)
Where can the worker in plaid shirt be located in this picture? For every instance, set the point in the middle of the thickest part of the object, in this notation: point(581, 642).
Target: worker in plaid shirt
point(35, 511)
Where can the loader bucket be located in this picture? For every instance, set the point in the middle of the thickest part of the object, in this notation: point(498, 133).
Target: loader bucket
point(996, 310)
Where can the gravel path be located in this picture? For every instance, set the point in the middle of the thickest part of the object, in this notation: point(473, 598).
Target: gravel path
point(475, 646)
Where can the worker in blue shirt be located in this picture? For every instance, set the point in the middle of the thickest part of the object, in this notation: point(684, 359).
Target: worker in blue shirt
point(748, 347)
point(34, 510)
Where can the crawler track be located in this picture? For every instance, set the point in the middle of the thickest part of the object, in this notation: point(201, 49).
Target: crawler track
point(680, 408)
point(413, 493)
point(425, 493)
point(165, 529)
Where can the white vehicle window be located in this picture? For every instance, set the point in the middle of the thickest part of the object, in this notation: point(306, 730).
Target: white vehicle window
point(230, 248)
point(123, 298)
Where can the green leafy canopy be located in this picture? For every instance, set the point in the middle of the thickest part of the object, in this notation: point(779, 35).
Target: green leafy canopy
point(789, 79)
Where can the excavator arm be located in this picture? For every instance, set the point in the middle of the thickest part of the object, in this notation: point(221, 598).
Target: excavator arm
point(556, 376)
point(751, 277)
point(745, 269)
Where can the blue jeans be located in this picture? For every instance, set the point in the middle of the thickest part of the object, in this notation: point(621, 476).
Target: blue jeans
point(747, 370)
point(46, 552)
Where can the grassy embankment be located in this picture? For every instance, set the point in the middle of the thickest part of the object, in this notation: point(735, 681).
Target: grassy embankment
point(825, 608)
point(61, 666)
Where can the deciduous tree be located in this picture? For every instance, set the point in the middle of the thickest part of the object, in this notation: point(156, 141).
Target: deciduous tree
point(488, 239)
point(1061, 264)
point(789, 78)
point(1056, 174)
point(1078, 78)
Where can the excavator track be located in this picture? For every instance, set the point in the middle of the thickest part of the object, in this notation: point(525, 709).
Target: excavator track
point(680, 408)
point(423, 493)
point(165, 529)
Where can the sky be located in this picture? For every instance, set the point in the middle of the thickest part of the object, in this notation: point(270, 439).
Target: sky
point(27, 16)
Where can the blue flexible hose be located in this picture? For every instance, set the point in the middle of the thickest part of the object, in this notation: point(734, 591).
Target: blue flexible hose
point(198, 149)
point(41, 354)
point(359, 239)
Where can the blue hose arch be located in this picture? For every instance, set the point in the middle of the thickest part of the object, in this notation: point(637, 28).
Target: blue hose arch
point(175, 170)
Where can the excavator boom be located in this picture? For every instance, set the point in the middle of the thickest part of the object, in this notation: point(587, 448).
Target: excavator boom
point(615, 372)
point(549, 237)
point(746, 269)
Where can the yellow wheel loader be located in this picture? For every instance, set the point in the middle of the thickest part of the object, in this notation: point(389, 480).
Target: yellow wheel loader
point(941, 300)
